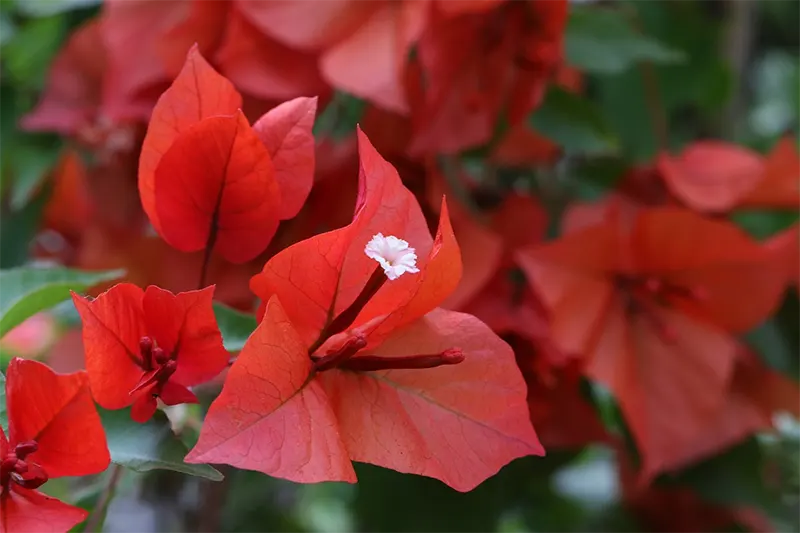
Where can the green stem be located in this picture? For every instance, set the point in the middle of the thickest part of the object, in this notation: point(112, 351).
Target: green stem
point(97, 519)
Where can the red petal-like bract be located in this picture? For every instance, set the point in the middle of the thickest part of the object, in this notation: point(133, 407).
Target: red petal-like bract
point(369, 63)
point(113, 324)
point(72, 96)
point(182, 324)
point(270, 416)
point(286, 132)
point(669, 366)
point(711, 176)
point(197, 93)
point(185, 322)
point(331, 268)
point(33, 512)
point(780, 185)
point(56, 411)
point(263, 67)
point(458, 423)
point(215, 189)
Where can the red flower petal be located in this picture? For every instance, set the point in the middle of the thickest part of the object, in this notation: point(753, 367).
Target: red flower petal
point(459, 424)
point(215, 189)
point(740, 281)
point(668, 391)
point(334, 266)
point(113, 325)
point(780, 185)
point(268, 406)
point(264, 67)
point(198, 92)
point(308, 25)
point(435, 282)
point(711, 176)
point(57, 412)
point(186, 322)
point(369, 62)
point(72, 95)
point(31, 511)
point(286, 132)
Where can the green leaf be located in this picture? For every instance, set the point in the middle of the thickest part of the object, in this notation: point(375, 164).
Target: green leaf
point(28, 290)
point(234, 325)
point(574, 123)
point(340, 117)
point(149, 446)
point(17, 230)
point(30, 161)
point(44, 8)
point(768, 340)
point(27, 56)
point(763, 224)
point(602, 41)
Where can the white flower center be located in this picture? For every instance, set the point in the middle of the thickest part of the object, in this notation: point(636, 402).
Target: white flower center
point(393, 254)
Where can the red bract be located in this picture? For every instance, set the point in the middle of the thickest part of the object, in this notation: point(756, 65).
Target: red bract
point(73, 93)
point(711, 176)
point(650, 307)
point(362, 47)
point(779, 186)
point(147, 42)
point(53, 431)
point(350, 365)
point(263, 67)
point(562, 417)
point(208, 180)
point(475, 63)
point(145, 345)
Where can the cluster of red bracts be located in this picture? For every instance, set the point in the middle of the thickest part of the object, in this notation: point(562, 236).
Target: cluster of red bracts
point(53, 431)
point(346, 315)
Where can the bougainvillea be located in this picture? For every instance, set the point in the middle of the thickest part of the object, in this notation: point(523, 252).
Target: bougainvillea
point(476, 243)
point(53, 431)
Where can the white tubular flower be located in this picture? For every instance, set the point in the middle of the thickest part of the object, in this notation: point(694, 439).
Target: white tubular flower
point(393, 254)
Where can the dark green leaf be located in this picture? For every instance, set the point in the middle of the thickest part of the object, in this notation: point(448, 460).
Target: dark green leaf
point(28, 290)
point(763, 224)
point(31, 159)
point(234, 325)
point(773, 347)
point(600, 40)
point(340, 117)
point(27, 56)
point(574, 123)
point(44, 8)
point(17, 230)
point(149, 446)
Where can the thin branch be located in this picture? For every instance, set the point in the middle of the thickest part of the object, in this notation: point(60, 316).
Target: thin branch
point(736, 48)
point(96, 520)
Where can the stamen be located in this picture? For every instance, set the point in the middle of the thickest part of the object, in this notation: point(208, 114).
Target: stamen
point(338, 356)
point(371, 363)
point(146, 350)
point(346, 318)
point(24, 449)
point(160, 356)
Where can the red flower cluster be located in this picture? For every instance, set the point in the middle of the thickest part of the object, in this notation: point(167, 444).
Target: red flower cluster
point(377, 341)
point(53, 431)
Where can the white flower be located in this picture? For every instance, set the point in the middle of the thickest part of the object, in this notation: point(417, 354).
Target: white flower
point(393, 254)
